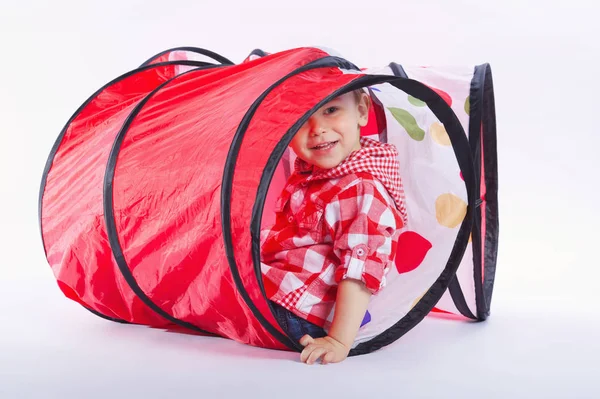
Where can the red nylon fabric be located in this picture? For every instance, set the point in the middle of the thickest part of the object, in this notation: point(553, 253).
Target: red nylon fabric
point(280, 110)
point(72, 220)
point(167, 190)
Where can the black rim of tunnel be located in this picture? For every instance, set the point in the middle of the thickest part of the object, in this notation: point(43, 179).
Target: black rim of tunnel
point(459, 140)
point(227, 186)
point(491, 178)
point(482, 134)
point(434, 294)
point(109, 215)
point(58, 142)
point(106, 317)
point(257, 52)
point(475, 98)
point(398, 70)
point(197, 50)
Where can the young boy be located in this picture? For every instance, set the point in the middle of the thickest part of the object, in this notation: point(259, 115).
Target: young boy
point(336, 230)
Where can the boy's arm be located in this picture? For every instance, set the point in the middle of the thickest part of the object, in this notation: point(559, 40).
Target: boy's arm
point(363, 231)
point(350, 307)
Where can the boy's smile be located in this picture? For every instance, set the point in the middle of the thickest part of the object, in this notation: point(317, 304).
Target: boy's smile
point(333, 132)
point(325, 146)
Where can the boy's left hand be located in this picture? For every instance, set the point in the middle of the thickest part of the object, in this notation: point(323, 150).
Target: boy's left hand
point(328, 349)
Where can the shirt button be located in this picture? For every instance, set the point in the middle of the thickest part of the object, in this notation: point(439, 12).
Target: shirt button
point(360, 252)
point(290, 219)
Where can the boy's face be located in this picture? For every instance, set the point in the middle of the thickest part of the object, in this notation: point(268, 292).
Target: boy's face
point(333, 132)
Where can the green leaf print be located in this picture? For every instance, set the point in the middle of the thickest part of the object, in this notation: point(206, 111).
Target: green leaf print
point(415, 101)
point(408, 122)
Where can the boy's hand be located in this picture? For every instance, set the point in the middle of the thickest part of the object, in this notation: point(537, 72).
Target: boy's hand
point(328, 349)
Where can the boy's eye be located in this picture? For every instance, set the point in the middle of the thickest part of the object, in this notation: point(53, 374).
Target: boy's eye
point(330, 110)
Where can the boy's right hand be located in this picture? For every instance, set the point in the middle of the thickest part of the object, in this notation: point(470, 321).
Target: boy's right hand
point(328, 349)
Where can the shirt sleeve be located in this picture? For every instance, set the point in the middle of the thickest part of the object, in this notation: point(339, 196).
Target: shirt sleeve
point(363, 227)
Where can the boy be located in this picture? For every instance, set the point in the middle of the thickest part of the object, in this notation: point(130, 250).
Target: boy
point(336, 230)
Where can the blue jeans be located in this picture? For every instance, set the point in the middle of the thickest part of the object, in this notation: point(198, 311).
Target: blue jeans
point(295, 326)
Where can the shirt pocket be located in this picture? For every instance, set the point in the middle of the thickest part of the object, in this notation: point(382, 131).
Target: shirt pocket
point(311, 222)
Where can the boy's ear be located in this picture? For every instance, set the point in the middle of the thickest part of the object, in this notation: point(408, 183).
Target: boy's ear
point(363, 109)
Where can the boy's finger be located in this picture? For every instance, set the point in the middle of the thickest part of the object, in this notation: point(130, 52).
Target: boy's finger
point(306, 340)
point(328, 358)
point(315, 355)
point(306, 353)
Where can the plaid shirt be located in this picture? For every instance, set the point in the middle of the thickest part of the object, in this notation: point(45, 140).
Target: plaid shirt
point(333, 224)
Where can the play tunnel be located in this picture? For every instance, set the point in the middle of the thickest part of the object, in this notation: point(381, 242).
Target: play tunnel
point(155, 192)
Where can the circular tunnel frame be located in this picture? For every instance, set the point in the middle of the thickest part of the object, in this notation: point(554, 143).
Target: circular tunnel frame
point(454, 288)
point(460, 146)
point(58, 142)
point(109, 214)
point(197, 50)
point(482, 136)
point(227, 186)
point(257, 52)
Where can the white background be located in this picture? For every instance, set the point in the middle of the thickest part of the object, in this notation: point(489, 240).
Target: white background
point(541, 340)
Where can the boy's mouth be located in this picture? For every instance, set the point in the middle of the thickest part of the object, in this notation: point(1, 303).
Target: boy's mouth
point(324, 146)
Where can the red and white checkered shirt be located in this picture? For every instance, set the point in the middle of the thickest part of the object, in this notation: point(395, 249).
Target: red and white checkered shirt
point(333, 224)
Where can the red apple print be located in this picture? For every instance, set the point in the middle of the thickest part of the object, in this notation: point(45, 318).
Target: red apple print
point(412, 249)
point(442, 94)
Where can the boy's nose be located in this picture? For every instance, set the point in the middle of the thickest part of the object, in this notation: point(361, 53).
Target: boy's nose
point(315, 128)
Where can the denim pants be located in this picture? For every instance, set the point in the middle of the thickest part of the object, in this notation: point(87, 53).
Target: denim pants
point(295, 326)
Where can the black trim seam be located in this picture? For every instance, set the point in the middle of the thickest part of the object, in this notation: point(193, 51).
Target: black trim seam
point(226, 189)
point(109, 215)
point(197, 50)
point(60, 137)
point(458, 138)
